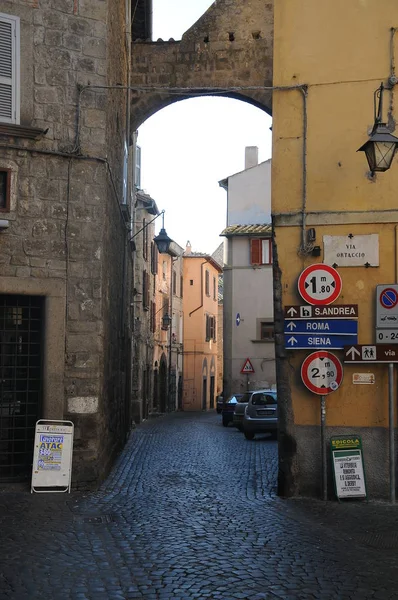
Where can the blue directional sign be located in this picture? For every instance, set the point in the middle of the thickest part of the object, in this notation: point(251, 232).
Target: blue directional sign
point(318, 341)
point(316, 326)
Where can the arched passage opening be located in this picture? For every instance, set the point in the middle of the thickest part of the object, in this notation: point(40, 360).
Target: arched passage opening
point(187, 148)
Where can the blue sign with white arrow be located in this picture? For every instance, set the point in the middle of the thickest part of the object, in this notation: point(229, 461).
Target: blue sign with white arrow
point(318, 341)
point(316, 326)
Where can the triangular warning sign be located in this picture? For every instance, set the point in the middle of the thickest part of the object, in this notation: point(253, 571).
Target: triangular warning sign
point(247, 367)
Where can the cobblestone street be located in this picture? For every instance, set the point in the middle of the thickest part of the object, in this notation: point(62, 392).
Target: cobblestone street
point(190, 511)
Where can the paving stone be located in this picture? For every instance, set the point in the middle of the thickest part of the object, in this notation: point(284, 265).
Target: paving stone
point(194, 515)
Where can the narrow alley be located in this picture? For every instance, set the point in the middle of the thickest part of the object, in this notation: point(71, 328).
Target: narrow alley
point(190, 511)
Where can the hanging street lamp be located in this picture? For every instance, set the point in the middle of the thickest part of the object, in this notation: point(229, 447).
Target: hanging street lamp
point(381, 145)
point(162, 240)
point(166, 321)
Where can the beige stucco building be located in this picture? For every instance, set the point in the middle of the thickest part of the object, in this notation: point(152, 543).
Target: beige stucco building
point(200, 306)
point(327, 72)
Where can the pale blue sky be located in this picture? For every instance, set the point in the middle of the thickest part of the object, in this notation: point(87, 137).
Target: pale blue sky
point(189, 146)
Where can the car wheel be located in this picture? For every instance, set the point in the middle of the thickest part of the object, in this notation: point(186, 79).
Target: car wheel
point(225, 422)
point(249, 435)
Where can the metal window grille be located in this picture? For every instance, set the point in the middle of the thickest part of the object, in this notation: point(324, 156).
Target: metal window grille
point(21, 319)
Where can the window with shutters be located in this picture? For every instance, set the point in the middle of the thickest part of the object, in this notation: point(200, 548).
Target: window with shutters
point(214, 289)
point(153, 317)
point(154, 258)
point(207, 283)
point(9, 69)
point(5, 189)
point(181, 286)
point(144, 239)
point(260, 252)
point(210, 328)
point(174, 283)
point(145, 290)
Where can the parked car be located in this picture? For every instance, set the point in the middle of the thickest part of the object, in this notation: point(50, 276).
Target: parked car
point(228, 409)
point(241, 407)
point(261, 414)
point(239, 411)
point(219, 403)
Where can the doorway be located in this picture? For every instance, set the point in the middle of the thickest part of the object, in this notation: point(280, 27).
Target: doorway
point(212, 388)
point(163, 384)
point(21, 358)
point(204, 394)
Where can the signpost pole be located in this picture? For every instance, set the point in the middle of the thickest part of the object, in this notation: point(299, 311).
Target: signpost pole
point(391, 429)
point(323, 448)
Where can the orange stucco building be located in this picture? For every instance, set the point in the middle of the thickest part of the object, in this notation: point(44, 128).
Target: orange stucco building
point(200, 308)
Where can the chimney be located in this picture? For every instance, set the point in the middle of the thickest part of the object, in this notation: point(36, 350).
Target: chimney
point(188, 248)
point(251, 156)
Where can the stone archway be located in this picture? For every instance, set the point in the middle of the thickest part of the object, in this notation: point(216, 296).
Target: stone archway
point(229, 47)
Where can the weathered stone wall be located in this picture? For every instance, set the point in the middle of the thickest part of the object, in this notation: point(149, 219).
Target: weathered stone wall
point(65, 219)
point(230, 46)
point(143, 336)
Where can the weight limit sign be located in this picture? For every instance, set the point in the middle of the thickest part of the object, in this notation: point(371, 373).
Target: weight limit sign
point(322, 373)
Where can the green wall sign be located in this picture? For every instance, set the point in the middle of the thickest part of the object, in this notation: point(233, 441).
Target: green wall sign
point(348, 467)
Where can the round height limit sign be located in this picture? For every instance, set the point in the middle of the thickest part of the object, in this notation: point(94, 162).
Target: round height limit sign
point(319, 284)
point(322, 372)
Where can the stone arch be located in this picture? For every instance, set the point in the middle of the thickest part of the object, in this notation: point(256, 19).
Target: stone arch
point(229, 47)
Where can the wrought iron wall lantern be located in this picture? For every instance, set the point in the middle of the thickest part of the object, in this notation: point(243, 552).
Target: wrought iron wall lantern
point(166, 321)
point(381, 145)
point(162, 240)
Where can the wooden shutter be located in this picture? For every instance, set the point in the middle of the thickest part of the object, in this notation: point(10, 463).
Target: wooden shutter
point(145, 289)
point(255, 252)
point(207, 328)
point(153, 317)
point(154, 258)
point(9, 69)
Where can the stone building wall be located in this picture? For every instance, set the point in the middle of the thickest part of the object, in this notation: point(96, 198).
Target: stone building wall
point(67, 235)
point(143, 337)
point(230, 46)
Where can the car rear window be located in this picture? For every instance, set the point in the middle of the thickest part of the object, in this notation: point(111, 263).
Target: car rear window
point(263, 399)
point(245, 398)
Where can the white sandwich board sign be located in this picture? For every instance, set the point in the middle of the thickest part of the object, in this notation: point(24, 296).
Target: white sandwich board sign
point(52, 456)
